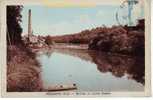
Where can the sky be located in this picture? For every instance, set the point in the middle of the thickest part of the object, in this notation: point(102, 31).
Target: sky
point(59, 20)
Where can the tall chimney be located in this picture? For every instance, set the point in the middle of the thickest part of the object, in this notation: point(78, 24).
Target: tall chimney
point(29, 23)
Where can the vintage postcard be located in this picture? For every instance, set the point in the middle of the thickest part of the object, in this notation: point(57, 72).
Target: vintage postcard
point(75, 48)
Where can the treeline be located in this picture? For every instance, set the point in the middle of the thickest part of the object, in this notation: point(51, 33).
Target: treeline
point(125, 40)
point(82, 37)
point(120, 39)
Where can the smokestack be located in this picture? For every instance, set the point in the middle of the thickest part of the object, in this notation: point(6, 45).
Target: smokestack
point(29, 23)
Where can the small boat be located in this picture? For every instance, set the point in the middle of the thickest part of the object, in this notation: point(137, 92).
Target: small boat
point(64, 87)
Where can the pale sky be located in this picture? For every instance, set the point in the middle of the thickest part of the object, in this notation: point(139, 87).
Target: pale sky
point(59, 20)
point(61, 3)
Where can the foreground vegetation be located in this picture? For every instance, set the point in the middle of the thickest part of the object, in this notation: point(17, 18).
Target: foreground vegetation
point(23, 71)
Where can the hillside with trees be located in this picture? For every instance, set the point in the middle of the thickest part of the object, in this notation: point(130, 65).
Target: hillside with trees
point(117, 39)
point(83, 37)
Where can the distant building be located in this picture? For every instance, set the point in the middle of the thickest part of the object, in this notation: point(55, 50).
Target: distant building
point(33, 39)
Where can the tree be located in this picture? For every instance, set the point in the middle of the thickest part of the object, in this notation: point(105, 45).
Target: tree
point(48, 40)
point(14, 29)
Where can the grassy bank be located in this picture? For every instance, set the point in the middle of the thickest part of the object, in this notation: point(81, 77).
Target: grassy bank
point(23, 71)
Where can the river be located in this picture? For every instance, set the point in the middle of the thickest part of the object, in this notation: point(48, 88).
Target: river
point(91, 70)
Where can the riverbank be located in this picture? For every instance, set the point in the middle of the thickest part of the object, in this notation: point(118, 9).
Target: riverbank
point(70, 46)
point(23, 71)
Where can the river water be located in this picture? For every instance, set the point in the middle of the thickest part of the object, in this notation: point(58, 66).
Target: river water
point(91, 70)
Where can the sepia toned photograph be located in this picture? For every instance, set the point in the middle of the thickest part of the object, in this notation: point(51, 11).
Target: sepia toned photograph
point(76, 48)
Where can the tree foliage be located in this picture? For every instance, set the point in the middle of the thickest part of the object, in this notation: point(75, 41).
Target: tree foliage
point(14, 29)
point(48, 40)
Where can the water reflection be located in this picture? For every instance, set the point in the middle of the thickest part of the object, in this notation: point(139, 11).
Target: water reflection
point(124, 68)
point(120, 65)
